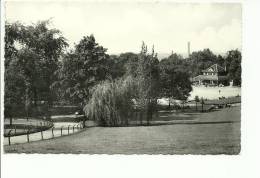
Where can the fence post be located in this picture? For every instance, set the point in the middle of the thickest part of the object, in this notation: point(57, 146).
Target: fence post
point(9, 140)
point(52, 132)
point(28, 139)
point(141, 117)
point(41, 134)
point(9, 137)
point(68, 129)
point(61, 131)
point(73, 128)
point(15, 130)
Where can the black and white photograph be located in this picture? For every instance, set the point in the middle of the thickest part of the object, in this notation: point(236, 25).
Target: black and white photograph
point(122, 78)
point(129, 89)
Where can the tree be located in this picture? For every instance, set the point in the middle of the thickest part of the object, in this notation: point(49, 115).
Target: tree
point(82, 69)
point(233, 61)
point(123, 64)
point(14, 85)
point(14, 90)
point(197, 100)
point(111, 103)
point(147, 78)
point(202, 104)
point(34, 51)
point(200, 60)
point(130, 63)
point(175, 82)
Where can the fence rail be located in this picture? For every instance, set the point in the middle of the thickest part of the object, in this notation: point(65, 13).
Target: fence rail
point(27, 135)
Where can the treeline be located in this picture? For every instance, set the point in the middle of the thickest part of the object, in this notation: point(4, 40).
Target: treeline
point(39, 73)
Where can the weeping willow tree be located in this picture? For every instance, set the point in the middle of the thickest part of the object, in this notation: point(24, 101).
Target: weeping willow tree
point(114, 103)
point(111, 103)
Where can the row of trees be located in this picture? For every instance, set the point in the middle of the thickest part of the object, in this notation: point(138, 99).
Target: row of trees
point(109, 87)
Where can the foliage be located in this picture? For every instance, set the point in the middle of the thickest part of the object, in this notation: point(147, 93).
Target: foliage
point(197, 100)
point(124, 64)
point(147, 79)
point(175, 81)
point(201, 60)
point(111, 103)
point(82, 69)
point(37, 69)
point(202, 103)
point(233, 61)
point(31, 56)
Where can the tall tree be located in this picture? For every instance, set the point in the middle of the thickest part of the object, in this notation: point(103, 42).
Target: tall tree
point(201, 60)
point(148, 82)
point(233, 61)
point(175, 82)
point(82, 69)
point(34, 51)
point(123, 64)
point(196, 101)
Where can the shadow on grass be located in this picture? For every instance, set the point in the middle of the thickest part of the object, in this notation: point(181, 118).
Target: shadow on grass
point(176, 123)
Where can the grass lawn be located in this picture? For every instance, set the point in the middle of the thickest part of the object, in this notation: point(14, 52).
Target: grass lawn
point(206, 133)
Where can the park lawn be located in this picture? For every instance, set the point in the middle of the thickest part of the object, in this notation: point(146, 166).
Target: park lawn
point(210, 133)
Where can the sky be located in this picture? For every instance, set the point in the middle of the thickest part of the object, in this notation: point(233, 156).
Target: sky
point(122, 26)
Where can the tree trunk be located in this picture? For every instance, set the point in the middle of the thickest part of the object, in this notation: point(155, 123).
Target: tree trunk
point(126, 121)
point(35, 96)
point(147, 116)
point(27, 101)
point(49, 97)
point(84, 122)
point(141, 117)
point(11, 120)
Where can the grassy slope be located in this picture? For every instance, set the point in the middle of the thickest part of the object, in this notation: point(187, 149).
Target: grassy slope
point(216, 138)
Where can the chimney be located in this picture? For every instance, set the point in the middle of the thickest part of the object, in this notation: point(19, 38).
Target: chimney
point(188, 49)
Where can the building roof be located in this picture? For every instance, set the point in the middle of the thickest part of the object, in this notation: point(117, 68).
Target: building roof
point(209, 77)
point(214, 68)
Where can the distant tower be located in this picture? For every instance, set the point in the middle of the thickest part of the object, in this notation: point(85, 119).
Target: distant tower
point(188, 49)
point(225, 63)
